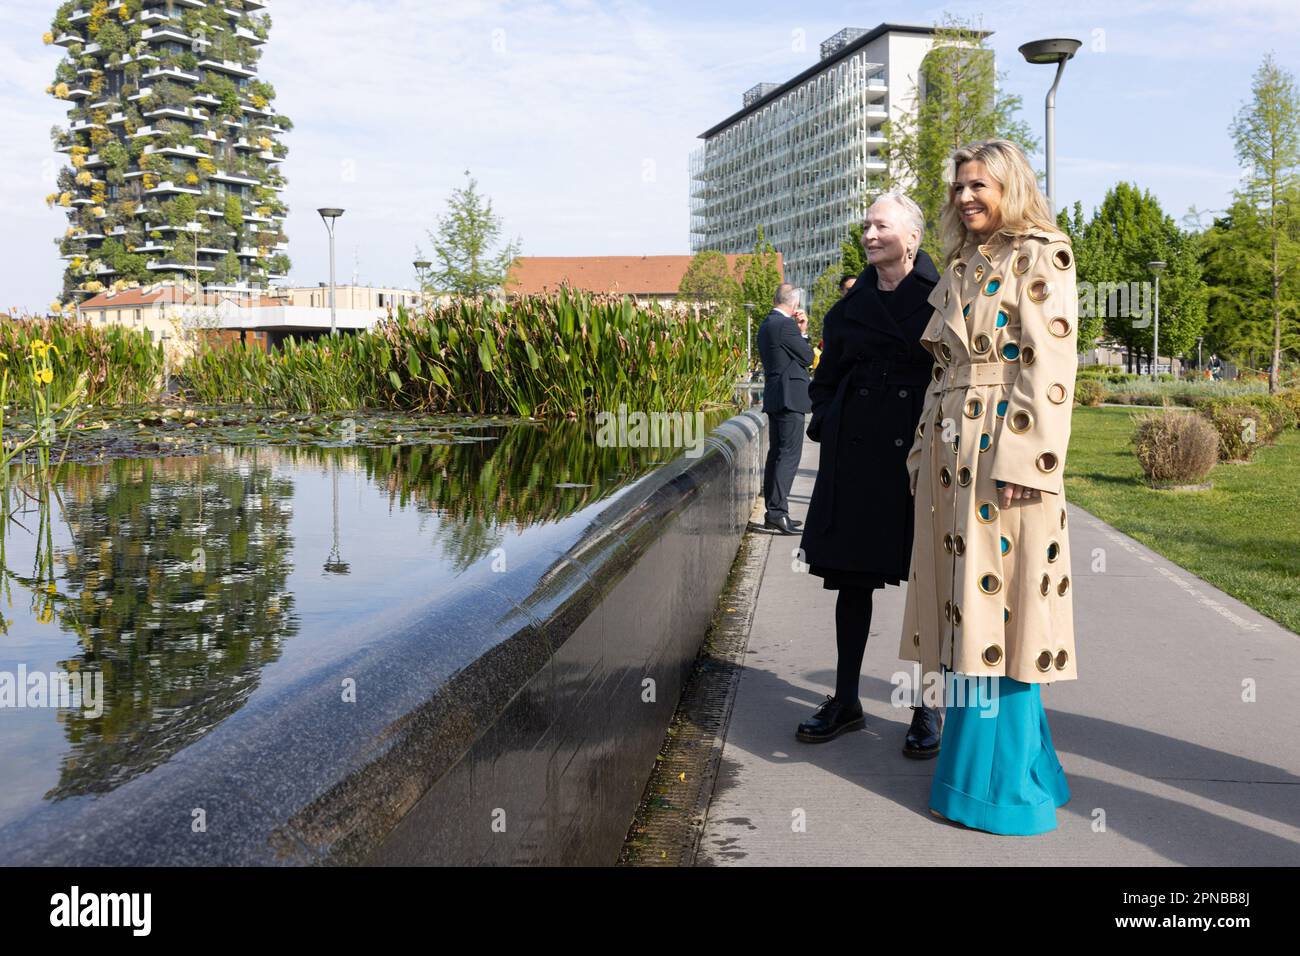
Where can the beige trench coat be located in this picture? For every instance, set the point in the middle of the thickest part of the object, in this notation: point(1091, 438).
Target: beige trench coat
point(990, 591)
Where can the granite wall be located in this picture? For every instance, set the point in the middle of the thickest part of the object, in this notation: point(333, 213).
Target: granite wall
point(563, 755)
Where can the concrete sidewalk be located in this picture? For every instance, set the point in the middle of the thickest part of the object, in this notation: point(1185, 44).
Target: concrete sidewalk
point(1167, 764)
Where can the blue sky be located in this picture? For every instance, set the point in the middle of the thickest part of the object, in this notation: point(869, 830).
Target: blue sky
point(577, 116)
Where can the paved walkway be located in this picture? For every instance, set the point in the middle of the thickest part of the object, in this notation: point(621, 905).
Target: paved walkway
point(1167, 763)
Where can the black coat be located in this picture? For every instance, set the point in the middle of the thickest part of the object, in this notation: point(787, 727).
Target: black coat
point(786, 356)
point(867, 396)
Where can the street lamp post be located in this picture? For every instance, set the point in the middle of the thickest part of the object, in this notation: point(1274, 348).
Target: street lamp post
point(1051, 51)
point(1157, 267)
point(420, 266)
point(330, 216)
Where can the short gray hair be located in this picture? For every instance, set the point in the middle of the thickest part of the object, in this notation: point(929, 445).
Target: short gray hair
point(915, 217)
point(786, 294)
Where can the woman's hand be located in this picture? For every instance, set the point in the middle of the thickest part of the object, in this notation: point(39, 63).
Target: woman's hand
point(1012, 490)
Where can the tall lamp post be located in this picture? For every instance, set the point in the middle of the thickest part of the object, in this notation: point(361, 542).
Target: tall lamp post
point(330, 216)
point(1051, 51)
point(421, 265)
point(1157, 267)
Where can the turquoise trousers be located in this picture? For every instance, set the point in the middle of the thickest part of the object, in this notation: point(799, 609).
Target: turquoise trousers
point(997, 770)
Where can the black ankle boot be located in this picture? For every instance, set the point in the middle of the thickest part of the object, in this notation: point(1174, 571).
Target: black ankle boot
point(923, 736)
point(832, 718)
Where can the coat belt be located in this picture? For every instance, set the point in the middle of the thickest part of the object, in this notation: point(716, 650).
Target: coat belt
point(979, 373)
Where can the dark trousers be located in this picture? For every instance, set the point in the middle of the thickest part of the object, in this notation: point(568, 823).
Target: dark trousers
point(784, 449)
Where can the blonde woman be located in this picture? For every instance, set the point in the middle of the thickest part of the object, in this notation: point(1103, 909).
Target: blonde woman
point(989, 598)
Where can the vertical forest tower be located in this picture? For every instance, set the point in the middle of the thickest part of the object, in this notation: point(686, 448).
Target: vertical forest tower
point(173, 144)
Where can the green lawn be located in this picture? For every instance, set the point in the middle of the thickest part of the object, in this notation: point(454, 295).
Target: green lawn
point(1242, 536)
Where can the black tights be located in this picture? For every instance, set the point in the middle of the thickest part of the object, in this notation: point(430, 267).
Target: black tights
point(852, 623)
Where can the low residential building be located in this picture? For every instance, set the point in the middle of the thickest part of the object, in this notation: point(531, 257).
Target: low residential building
point(362, 297)
point(262, 317)
point(645, 278)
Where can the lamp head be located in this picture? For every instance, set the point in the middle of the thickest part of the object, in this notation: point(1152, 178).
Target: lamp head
point(1157, 266)
point(421, 264)
point(1050, 51)
point(330, 213)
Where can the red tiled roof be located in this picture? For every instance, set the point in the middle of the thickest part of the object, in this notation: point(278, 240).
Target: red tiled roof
point(136, 298)
point(631, 275)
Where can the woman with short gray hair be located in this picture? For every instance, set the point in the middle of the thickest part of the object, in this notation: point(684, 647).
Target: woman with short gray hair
point(866, 397)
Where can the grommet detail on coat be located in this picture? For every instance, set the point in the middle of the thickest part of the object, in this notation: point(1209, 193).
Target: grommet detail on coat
point(1001, 408)
point(981, 343)
point(1006, 544)
point(916, 639)
point(1047, 462)
point(1011, 351)
point(1062, 517)
point(963, 476)
point(992, 654)
point(956, 613)
point(959, 544)
point(979, 273)
point(937, 372)
point(974, 408)
point(920, 429)
point(965, 311)
point(1027, 355)
point(1059, 326)
point(1063, 586)
point(1045, 585)
point(947, 296)
point(987, 512)
point(1062, 259)
point(959, 268)
point(1061, 658)
point(1006, 615)
point(956, 443)
point(990, 584)
point(946, 351)
point(1044, 661)
point(947, 610)
point(991, 288)
point(1056, 393)
point(1039, 290)
point(986, 442)
point(1053, 551)
point(985, 251)
point(947, 542)
point(1021, 265)
point(1020, 421)
point(1002, 319)
point(945, 477)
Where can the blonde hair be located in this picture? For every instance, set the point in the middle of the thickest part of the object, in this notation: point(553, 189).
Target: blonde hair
point(1023, 208)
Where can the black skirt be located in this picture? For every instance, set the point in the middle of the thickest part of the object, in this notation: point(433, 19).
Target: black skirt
point(834, 579)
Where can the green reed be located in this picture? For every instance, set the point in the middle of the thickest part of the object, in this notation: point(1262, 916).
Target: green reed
point(569, 354)
point(120, 366)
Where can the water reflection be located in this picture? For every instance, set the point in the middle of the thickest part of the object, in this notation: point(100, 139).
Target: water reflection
point(182, 580)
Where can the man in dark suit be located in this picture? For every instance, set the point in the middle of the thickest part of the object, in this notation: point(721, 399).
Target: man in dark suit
point(786, 354)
